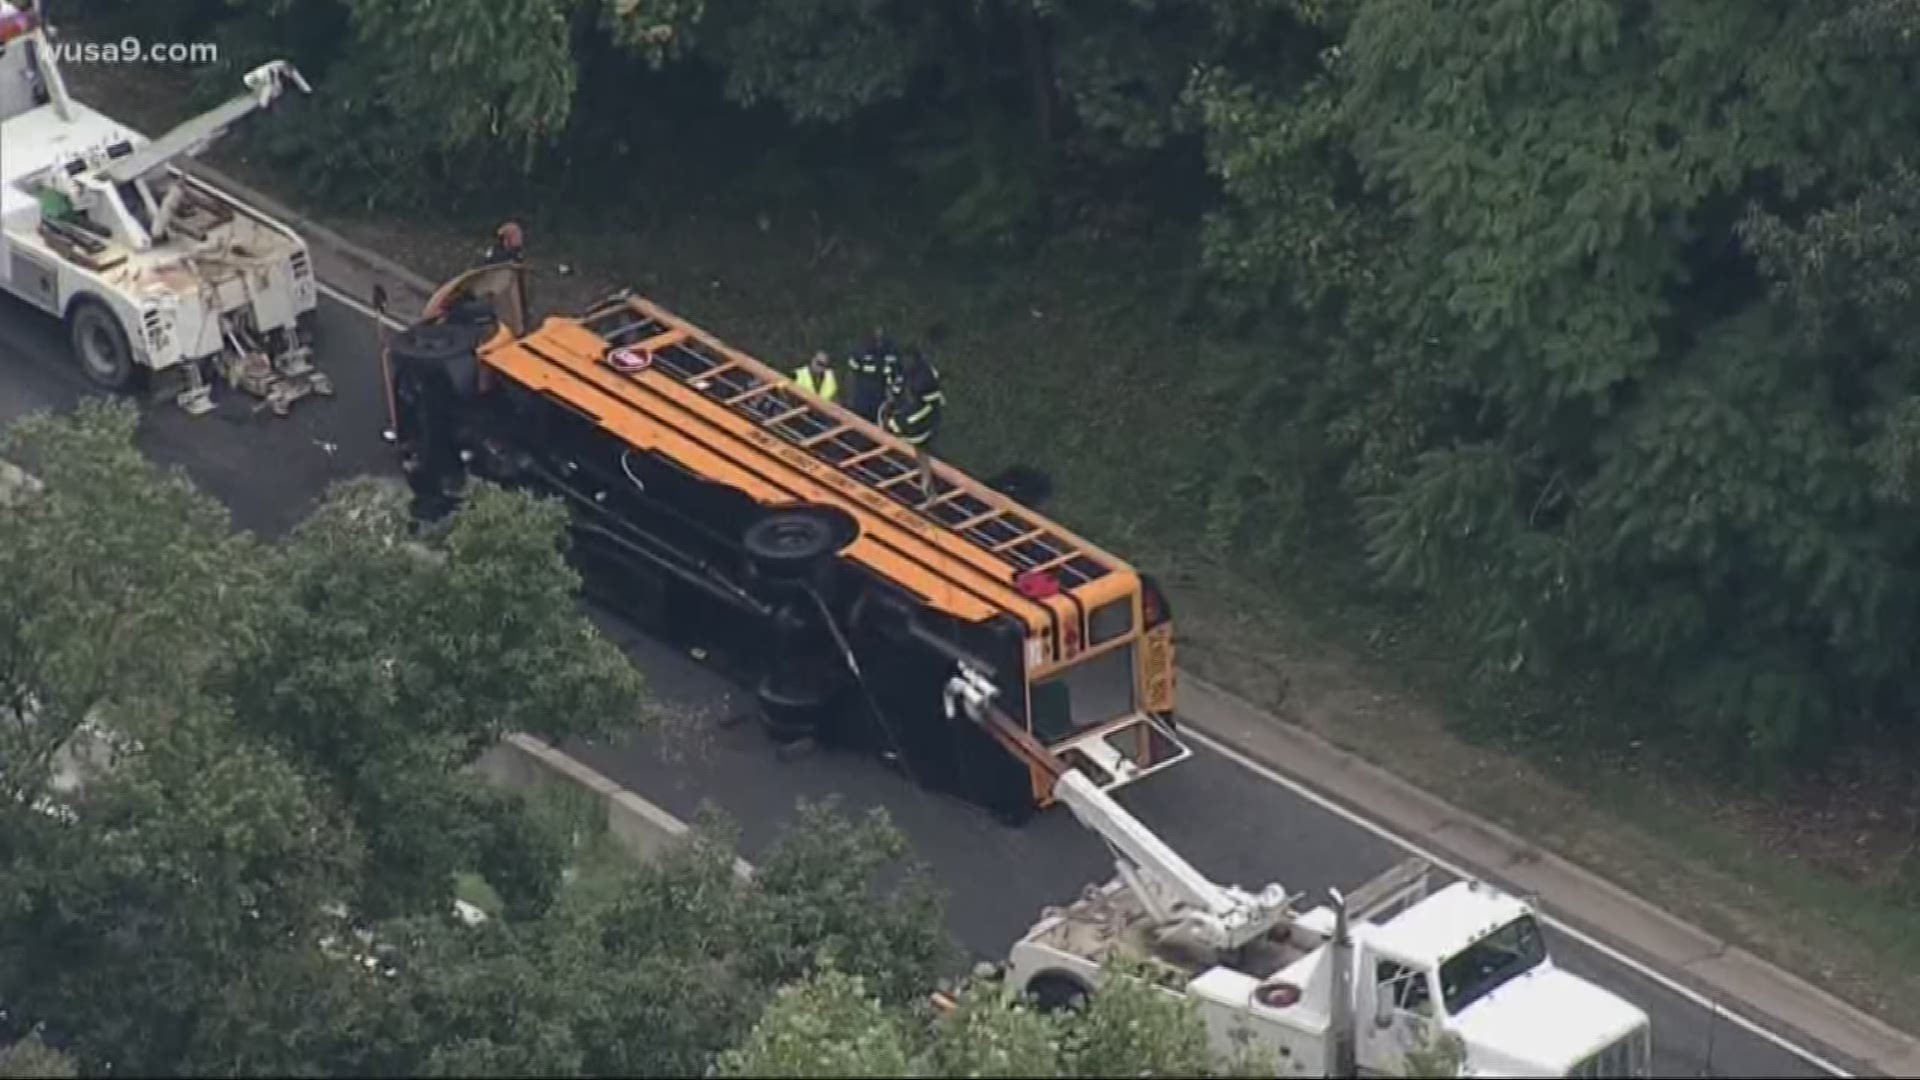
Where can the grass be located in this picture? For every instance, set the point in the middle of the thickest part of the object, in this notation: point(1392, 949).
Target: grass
point(1068, 361)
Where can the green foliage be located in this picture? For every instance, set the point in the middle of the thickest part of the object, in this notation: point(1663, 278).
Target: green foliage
point(658, 31)
point(819, 60)
point(832, 1025)
point(817, 906)
point(32, 1059)
point(497, 71)
point(827, 1026)
point(1443, 1053)
point(1593, 391)
point(389, 667)
point(162, 576)
point(210, 741)
point(243, 863)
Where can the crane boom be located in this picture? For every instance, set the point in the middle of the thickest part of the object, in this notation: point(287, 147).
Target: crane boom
point(1184, 902)
point(265, 84)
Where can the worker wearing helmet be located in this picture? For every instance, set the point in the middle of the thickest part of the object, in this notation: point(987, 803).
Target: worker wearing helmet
point(873, 366)
point(816, 377)
point(508, 245)
point(914, 407)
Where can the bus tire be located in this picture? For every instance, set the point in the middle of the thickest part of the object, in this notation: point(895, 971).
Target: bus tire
point(100, 344)
point(1054, 992)
point(446, 347)
point(791, 705)
point(792, 543)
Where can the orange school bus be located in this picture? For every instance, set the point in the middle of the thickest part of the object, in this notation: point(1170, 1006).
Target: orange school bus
point(720, 507)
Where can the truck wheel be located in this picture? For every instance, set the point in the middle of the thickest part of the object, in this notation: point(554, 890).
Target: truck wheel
point(1056, 993)
point(100, 344)
point(790, 544)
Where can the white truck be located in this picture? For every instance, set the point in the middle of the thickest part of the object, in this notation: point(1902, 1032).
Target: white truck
point(1346, 989)
point(153, 271)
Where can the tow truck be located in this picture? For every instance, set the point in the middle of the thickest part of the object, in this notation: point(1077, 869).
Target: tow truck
point(152, 270)
point(1349, 988)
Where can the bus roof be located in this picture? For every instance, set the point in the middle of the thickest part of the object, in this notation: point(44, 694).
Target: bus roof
point(726, 416)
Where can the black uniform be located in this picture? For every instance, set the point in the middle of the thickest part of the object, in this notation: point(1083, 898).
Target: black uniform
point(919, 402)
point(872, 368)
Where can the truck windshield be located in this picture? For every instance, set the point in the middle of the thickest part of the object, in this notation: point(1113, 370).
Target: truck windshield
point(1490, 963)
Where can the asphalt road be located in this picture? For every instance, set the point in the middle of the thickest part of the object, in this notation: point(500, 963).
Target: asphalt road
point(1234, 825)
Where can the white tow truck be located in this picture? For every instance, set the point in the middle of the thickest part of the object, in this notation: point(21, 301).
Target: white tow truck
point(152, 270)
point(1346, 989)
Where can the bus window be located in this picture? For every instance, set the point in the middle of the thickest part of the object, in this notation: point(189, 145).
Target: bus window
point(1109, 621)
point(1088, 694)
point(1052, 710)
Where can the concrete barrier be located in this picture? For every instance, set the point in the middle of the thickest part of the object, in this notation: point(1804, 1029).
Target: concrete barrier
point(525, 763)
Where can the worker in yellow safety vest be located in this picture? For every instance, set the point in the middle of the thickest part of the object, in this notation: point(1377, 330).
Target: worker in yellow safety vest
point(816, 377)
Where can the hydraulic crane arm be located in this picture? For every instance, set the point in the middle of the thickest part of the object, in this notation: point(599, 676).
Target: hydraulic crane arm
point(1181, 899)
point(265, 84)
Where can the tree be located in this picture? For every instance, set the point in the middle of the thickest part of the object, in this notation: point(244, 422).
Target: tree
point(119, 583)
point(388, 667)
point(831, 1025)
point(1556, 386)
point(249, 868)
point(210, 740)
point(32, 1059)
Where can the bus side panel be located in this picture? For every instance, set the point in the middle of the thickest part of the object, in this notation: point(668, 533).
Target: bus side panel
point(696, 523)
point(907, 680)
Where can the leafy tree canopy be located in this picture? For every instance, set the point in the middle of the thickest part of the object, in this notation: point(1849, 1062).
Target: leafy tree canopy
point(236, 793)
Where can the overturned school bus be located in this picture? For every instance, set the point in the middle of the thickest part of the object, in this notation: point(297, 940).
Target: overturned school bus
point(719, 506)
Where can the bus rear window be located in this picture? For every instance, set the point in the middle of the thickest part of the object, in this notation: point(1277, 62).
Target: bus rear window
point(1088, 694)
point(1110, 621)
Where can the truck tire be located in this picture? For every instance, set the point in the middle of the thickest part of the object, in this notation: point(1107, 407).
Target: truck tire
point(791, 544)
point(1054, 992)
point(100, 344)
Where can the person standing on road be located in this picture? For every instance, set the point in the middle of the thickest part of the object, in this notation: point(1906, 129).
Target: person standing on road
point(874, 366)
point(816, 377)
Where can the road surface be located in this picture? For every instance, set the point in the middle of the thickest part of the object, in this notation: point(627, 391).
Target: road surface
point(1235, 825)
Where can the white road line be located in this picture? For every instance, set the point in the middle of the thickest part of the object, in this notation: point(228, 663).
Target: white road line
point(343, 299)
point(1268, 774)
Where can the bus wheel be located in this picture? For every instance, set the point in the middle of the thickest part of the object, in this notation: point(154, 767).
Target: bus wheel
point(791, 703)
point(790, 544)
